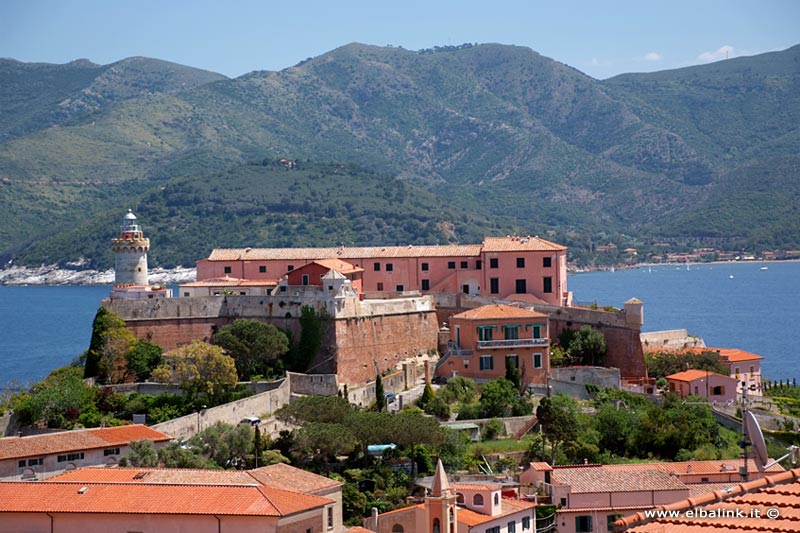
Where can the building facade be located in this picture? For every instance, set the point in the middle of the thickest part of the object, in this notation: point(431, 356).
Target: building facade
point(486, 340)
point(519, 268)
point(715, 387)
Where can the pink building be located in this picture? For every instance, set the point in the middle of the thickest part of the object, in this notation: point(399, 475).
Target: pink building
point(522, 268)
point(744, 367)
point(41, 456)
point(311, 273)
point(485, 340)
point(715, 387)
point(272, 499)
point(459, 508)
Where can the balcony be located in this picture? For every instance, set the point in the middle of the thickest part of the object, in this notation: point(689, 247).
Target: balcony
point(512, 343)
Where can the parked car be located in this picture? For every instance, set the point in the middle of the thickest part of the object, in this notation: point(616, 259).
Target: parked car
point(439, 380)
point(390, 397)
point(250, 420)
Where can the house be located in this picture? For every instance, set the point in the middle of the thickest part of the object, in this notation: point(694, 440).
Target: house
point(459, 508)
point(764, 504)
point(487, 339)
point(592, 497)
point(710, 385)
point(524, 268)
point(277, 498)
point(42, 456)
point(744, 367)
point(312, 273)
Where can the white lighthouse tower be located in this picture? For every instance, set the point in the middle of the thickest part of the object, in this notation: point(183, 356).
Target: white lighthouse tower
point(130, 263)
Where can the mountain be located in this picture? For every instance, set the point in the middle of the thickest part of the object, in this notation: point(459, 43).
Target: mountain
point(470, 139)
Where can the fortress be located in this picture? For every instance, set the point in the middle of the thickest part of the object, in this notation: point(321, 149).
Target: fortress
point(379, 306)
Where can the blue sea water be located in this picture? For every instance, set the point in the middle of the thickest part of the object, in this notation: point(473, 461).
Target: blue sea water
point(729, 305)
point(734, 305)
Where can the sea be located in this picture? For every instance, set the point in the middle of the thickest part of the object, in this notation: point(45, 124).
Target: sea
point(751, 306)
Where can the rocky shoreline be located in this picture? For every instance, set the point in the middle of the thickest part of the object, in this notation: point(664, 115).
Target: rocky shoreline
point(54, 275)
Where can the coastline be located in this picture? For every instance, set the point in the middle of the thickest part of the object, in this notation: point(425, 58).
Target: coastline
point(54, 275)
point(575, 270)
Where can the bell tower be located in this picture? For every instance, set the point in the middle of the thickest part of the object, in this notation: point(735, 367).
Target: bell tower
point(440, 506)
point(130, 253)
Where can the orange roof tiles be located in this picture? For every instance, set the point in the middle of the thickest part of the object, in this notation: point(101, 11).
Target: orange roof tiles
point(743, 507)
point(600, 479)
point(693, 467)
point(76, 440)
point(507, 507)
point(289, 477)
point(130, 498)
point(499, 311)
point(694, 375)
point(343, 267)
point(519, 244)
point(730, 354)
point(477, 486)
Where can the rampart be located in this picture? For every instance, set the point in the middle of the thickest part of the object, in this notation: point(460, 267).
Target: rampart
point(359, 341)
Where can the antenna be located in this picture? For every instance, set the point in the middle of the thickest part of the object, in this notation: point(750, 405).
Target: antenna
point(752, 430)
point(745, 434)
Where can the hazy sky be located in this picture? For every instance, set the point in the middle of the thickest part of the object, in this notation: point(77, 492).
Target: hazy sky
point(600, 37)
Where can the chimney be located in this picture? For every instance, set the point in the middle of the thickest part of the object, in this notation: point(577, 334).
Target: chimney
point(373, 520)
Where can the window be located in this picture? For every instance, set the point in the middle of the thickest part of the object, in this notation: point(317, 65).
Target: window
point(305, 279)
point(487, 363)
point(537, 360)
point(563, 502)
point(548, 284)
point(752, 370)
point(437, 527)
point(463, 264)
point(719, 390)
point(451, 265)
point(477, 500)
point(520, 262)
point(290, 268)
point(426, 284)
point(511, 331)
point(283, 288)
point(522, 286)
point(425, 267)
point(496, 499)
point(397, 528)
point(512, 527)
point(227, 270)
point(547, 262)
point(111, 451)
point(485, 333)
point(399, 288)
point(376, 267)
point(380, 286)
point(537, 330)
point(526, 522)
point(493, 262)
point(389, 267)
point(262, 269)
point(22, 464)
point(37, 461)
point(512, 361)
point(478, 264)
point(495, 529)
point(610, 519)
point(583, 524)
point(494, 285)
point(186, 294)
point(330, 519)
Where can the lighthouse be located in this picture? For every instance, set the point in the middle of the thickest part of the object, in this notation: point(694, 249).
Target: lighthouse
point(130, 263)
point(130, 253)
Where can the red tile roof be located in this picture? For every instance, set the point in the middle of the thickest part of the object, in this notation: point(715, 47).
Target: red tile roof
point(717, 511)
point(291, 478)
point(731, 354)
point(508, 507)
point(499, 311)
point(520, 244)
point(76, 440)
point(694, 375)
point(601, 479)
point(148, 498)
point(343, 267)
point(694, 467)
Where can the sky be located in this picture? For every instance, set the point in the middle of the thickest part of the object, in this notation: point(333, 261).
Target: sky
point(599, 38)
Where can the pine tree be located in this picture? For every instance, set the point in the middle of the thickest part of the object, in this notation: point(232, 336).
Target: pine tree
point(380, 399)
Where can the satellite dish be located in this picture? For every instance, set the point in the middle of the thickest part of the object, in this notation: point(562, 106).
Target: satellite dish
point(757, 440)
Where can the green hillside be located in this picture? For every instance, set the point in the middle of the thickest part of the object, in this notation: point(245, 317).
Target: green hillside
point(457, 141)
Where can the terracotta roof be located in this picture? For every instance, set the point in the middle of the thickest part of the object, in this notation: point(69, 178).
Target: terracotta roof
point(148, 498)
point(278, 476)
point(291, 478)
point(498, 311)
point(508, 506)
point(358, 529)
point(343, 267)
point(779, 493)
point(694, 375)
point(694, 467)
point(76, 440)
point(600, 479)
point(365, 252)
point(520, 244)
point(731, 354)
